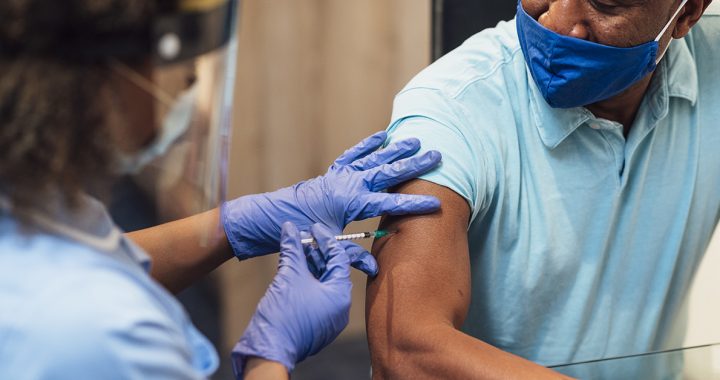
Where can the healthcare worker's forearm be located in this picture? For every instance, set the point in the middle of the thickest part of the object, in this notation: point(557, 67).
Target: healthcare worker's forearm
point(185, 250)
point(261, 369)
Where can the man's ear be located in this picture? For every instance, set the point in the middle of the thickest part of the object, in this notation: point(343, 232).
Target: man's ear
point(694, 9)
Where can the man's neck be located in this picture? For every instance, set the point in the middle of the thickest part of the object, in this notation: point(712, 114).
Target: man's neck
point(623, 108)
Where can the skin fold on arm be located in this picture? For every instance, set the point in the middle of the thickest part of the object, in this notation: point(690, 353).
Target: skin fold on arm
point(420, 298)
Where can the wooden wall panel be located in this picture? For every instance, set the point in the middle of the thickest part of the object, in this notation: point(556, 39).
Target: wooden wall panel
point(314, 77)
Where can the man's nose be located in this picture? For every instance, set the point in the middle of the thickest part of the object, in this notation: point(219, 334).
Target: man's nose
point(566, 17)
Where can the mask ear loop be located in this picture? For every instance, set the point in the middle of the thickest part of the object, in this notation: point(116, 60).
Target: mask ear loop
point(143, 83)
point(665, 29)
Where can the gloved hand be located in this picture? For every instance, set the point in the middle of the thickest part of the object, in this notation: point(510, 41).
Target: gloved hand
point(349, 191)
point(299, 314)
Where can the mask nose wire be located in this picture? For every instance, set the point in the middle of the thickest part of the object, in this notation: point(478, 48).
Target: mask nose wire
point(143, 83)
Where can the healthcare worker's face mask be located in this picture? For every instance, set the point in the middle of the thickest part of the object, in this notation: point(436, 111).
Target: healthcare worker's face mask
point(571, 72)
point(175, 122)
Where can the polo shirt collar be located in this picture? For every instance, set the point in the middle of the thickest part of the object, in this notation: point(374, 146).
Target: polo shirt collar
point(682, 78)
point(677, 78)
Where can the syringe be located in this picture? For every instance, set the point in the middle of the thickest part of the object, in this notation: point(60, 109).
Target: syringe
point(358, 236)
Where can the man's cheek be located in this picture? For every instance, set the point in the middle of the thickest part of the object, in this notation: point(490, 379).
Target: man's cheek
point(536, 8)
point(623, 32)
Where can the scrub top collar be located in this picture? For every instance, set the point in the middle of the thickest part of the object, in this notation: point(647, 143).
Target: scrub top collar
point(676, 76)
point(87, 223)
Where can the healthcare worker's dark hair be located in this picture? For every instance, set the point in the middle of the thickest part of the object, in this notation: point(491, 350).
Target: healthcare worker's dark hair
point(54, 107)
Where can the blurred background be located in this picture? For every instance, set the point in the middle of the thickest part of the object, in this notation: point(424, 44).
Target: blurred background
point(315, 77)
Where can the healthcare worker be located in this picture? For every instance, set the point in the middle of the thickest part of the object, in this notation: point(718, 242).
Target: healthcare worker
point(90, 90)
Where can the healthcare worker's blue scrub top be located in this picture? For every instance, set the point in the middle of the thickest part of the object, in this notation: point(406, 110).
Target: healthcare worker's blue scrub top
point(76, 302)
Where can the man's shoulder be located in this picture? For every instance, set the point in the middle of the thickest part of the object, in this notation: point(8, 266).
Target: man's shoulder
point(713, 9)
point(481, 60)
point(703, 43)
point(704, 37)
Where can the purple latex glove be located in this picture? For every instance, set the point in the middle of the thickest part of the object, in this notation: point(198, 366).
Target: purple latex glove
point(349, 191)
point(299, 314)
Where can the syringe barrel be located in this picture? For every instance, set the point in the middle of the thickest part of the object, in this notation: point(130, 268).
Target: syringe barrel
point(362, 235)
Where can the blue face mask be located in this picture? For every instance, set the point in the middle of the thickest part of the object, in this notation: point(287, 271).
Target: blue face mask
point(571, 72)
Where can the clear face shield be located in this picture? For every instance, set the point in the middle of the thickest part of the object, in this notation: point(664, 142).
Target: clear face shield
point(186, 93)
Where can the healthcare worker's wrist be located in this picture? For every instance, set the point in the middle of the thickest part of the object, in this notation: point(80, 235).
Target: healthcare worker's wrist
point(244, 351)
point(259, 368)
point(249, 232)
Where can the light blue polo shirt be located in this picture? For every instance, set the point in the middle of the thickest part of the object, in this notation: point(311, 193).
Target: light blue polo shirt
point(77, 302)
point(582, 242)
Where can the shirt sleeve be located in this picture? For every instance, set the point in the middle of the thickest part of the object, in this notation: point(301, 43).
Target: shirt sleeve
point(439, 124)
point(109, 330)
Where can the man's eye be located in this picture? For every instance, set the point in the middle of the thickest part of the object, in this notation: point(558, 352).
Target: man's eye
point(605, 7)
point(610, 9)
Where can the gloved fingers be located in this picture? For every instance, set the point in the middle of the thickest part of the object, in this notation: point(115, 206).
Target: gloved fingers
point(338, 264)
point(378, 204)
point(360, 258)
point(362, 149)
point(389, 175)
point(388, 155)
point(317, 261)
point(292, 253)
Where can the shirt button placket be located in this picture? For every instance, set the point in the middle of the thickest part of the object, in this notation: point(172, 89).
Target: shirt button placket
point(613, 134)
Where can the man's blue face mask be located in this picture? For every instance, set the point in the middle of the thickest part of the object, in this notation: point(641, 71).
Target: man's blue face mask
point(571, 72)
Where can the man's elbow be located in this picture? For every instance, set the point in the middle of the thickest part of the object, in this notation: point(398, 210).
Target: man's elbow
point(403, 353)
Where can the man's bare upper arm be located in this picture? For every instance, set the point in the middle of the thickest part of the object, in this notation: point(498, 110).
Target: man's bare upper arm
point(424, 270)
point(420, 298)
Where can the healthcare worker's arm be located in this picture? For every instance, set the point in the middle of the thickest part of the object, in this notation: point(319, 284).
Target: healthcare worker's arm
point(352, 189)
point(420, 298)
point(180, 253)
